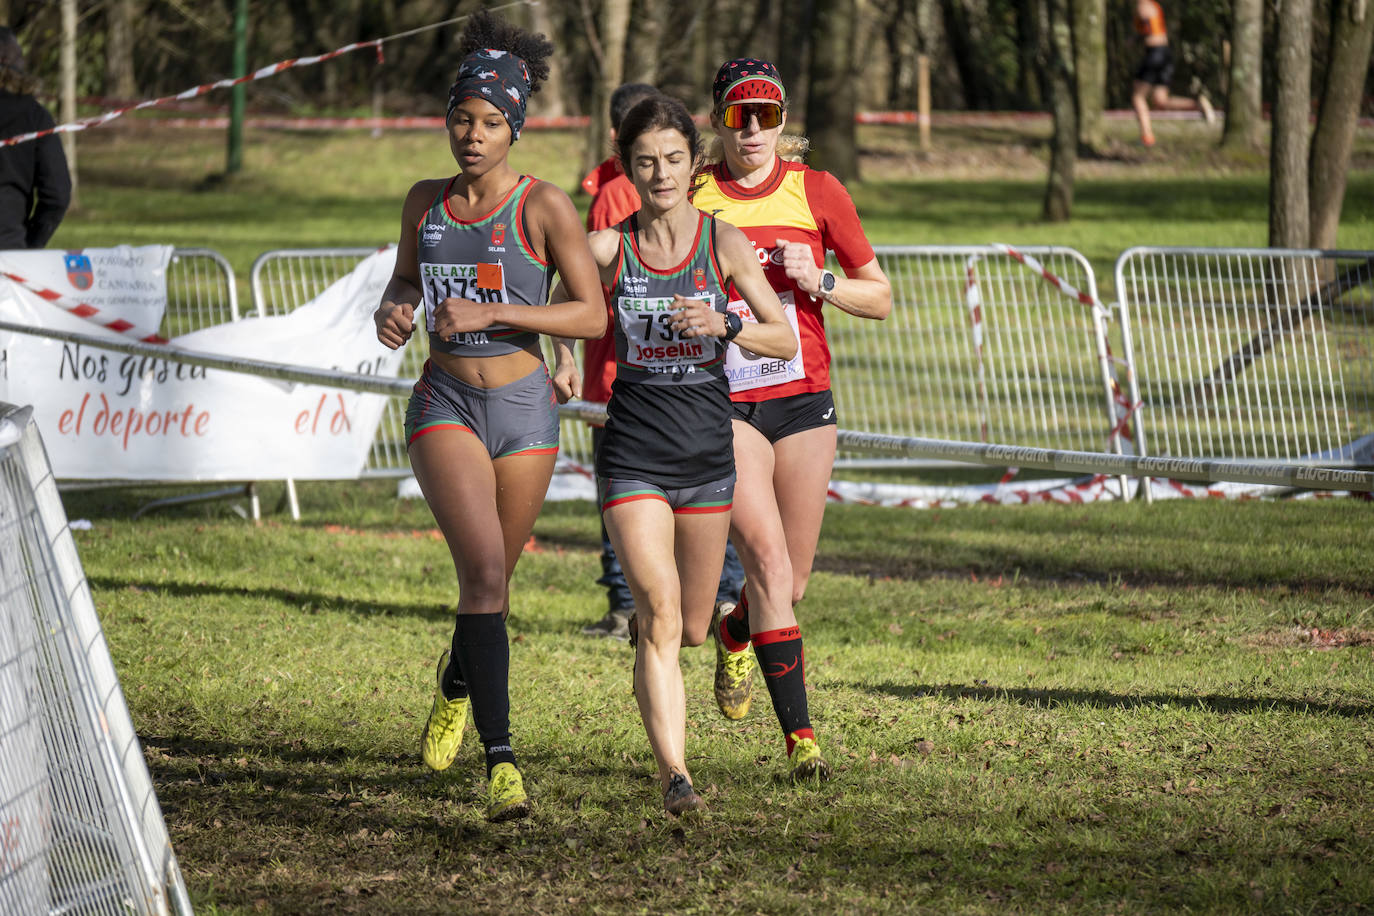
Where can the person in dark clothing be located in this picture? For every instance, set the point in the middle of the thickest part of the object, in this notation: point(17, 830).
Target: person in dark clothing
point(35, 187)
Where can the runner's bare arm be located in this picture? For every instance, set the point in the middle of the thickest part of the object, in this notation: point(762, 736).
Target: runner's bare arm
point(863, 292)
point(395, 317)
point(567, 378)
point(770, 334)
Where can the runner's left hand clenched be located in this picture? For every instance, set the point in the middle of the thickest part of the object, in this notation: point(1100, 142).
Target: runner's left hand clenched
point(460, 316)
point(695, 318)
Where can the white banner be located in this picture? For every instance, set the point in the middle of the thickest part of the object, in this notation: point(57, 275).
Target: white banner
point(119, 283)
point(108, 415)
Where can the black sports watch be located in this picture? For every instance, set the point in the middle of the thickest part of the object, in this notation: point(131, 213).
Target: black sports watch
point(827, 283)
point(733, 325)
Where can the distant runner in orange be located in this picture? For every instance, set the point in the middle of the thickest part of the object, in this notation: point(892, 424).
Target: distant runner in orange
point(1151, 86)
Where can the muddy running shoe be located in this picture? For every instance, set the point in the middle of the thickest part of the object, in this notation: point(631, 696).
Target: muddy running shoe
point(807, 763)
point(734, 686)
point(506, 798)
point(615, 625)
point(680, 797)
point(443, 733)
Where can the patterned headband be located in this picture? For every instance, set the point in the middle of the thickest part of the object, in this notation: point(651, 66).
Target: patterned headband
point(498, 77)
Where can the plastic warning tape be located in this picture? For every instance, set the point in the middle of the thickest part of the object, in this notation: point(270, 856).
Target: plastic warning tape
point(270, 70)
point(82, 309)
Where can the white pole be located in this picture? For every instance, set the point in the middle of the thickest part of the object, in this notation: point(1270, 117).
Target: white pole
point(69, 87)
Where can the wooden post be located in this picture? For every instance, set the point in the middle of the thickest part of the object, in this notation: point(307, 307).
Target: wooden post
point(923, 100)
point(68, 64)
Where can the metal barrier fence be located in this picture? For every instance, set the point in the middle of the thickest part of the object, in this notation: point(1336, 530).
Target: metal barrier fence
point(288, 278)
point(979, 347)
point(82, 828)
point(285, 279)
point(201, 292)
point(1027, 367)
point(1250, 353)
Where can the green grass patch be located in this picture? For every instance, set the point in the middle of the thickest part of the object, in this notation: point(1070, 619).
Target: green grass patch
point(1116, 708)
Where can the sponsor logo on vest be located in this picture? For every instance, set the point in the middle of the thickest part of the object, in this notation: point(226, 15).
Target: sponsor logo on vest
point(635, 286)
point(431, 233)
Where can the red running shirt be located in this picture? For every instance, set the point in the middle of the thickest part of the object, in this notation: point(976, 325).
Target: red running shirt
point(616, 198)
point(796, 204)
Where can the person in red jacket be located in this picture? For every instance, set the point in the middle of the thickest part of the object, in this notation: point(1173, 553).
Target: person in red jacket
point(613, 199)
point(1151, 86)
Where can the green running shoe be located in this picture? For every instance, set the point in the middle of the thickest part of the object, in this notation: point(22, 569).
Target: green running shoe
point(734, 686)
point(506, 798)
point(807, 763)
point(443, 732)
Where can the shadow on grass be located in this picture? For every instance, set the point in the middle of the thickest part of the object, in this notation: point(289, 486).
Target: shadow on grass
point(1101, 699)
point(302, 599)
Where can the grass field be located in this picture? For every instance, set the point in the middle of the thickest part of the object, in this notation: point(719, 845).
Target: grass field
point(1093, 709)
point(1112, 708)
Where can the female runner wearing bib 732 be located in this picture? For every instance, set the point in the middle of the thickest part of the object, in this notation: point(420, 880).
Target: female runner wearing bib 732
point(665, 470)
point(478, 250)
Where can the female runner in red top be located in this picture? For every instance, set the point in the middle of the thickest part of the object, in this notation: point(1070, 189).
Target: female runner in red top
point(784, 414)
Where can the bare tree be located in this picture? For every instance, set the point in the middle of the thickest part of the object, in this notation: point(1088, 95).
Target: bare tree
point(1288, 208)
point(606, 32)
point(1090, 70)
point(1056, 61)
point(831, 95)
point(1352, 30)
point(1244, 118)
point(120, 16)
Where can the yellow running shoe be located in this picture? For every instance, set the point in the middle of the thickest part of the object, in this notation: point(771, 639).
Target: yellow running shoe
point(807, 763)
point(506, 798)
point(443, 732)
point(734, 685)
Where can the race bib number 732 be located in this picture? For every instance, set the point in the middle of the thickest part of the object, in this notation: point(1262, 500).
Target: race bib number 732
point(650, 341)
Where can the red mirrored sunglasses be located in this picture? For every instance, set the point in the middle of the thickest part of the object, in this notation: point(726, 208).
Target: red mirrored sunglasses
point(737, 116)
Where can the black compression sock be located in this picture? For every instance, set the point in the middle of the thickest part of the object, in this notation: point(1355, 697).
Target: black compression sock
point(483, 652)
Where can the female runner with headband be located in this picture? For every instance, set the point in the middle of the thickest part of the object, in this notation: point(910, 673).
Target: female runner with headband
point(478, 250)
point(785, 424)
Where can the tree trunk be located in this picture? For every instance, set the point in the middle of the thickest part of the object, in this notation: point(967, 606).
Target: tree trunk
point(1244, 115)
point(796, 35)
point(1288, 213)
point(1057, 65)
point(550, 101)
point(1027, 56)
point(1352, 29)
point(1090, 69)
point(611, 28)
point(831, 95)
point(642, 53)
point(119, 49)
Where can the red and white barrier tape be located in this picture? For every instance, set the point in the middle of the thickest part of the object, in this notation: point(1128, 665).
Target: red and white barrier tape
point(262, 73)
point(82, 309)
